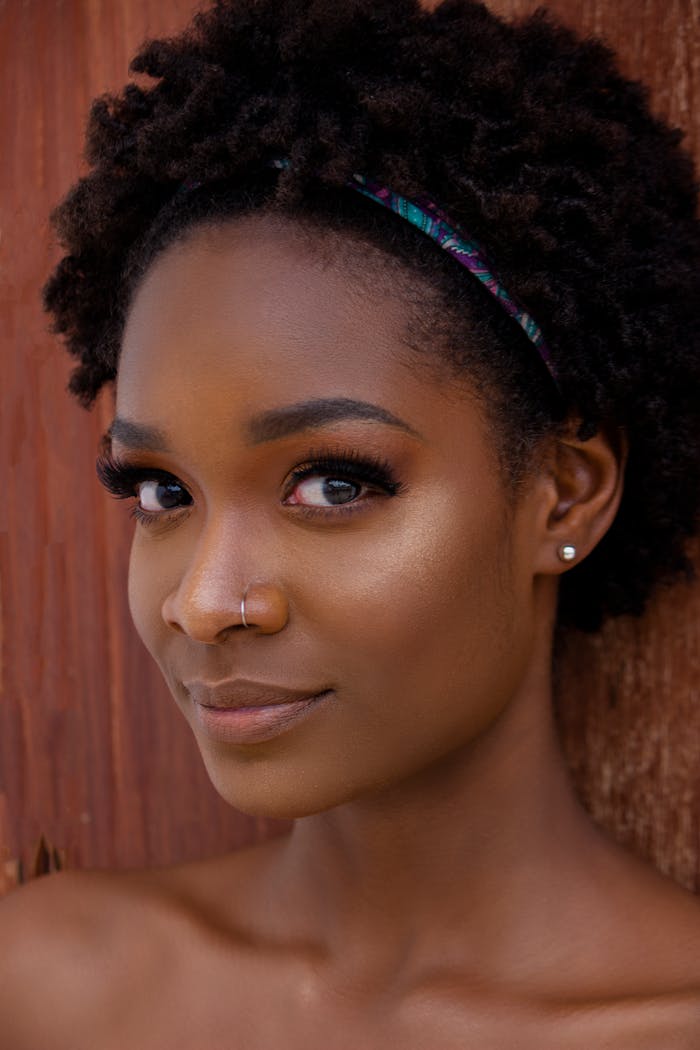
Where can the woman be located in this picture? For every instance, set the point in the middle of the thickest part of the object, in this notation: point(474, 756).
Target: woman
point(401, 387)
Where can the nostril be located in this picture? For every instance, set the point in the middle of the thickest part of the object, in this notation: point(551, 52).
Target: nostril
point(208, 623)
point(208, 616)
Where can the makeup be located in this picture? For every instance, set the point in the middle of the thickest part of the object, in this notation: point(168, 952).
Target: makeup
point(254, 725)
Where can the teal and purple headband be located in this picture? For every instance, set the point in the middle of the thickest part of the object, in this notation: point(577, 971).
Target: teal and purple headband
point(426, 216)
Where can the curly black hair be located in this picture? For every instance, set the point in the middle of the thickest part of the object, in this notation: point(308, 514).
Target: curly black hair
point(526, 135)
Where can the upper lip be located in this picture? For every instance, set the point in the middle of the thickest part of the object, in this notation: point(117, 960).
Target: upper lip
point(240, 692)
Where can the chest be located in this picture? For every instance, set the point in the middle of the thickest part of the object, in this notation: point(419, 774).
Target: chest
point(267, 1006)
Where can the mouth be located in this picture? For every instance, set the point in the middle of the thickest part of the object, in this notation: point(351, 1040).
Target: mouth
point(239, 711)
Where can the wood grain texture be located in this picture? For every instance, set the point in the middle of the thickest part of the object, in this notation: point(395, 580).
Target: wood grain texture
point(92, 755)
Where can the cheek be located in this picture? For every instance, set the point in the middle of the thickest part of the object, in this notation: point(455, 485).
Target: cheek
point(421, 626)
point(148, 585)
point(432, 616)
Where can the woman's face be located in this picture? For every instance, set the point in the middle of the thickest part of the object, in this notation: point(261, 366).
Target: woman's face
point(397, 580)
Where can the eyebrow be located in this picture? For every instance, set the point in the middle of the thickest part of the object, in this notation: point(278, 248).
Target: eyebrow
point(136, 436)
point(272, 425)
point(278, 423)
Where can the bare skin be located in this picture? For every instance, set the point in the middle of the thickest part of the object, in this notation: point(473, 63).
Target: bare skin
point(442, 886)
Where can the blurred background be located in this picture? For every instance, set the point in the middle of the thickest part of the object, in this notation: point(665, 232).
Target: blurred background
point(97, 767)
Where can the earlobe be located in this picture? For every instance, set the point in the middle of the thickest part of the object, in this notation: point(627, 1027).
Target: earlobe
point(584, 488)
point(567, 552)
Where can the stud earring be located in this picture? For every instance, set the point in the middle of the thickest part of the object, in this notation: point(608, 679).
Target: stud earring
point(567, 552)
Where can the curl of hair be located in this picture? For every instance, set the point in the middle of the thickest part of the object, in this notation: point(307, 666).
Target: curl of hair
point(528, 137)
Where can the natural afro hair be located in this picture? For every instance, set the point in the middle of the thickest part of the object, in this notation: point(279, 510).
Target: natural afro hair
point(526, 135)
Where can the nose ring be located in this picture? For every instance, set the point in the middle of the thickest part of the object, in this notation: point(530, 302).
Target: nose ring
point(270, 611)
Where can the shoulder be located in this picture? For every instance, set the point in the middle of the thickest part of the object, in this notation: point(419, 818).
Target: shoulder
point(71, 943)
point(86, 907)
point(665, 919)
point(78, 945)
point(47, 946)
point(640, 939)
point(676, 944)
point(52, 911)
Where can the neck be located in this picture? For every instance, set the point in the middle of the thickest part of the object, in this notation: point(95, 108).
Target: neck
point(474, 845)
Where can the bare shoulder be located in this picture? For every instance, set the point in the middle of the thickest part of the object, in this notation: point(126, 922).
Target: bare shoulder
point(641, 935)
point(44, 930)
point(73, 943)
point(51, 913)
point(667, 920)
point(79, 907)
point(79, 945)
point(677, 942)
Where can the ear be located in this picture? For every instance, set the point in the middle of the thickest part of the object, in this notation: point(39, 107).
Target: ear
point(581, 486)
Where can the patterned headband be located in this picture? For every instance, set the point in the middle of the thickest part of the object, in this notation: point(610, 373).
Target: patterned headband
point(426, 216)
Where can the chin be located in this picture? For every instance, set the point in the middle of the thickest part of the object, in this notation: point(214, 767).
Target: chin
point(260, 788)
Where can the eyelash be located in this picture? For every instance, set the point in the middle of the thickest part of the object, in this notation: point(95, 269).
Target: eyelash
point(350, 465)
point(121, 480)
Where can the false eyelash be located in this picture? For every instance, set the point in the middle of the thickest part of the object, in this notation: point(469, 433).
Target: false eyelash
point(121, 480)
point(352, 465)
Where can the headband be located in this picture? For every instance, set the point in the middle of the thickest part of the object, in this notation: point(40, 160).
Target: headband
point(426, 216)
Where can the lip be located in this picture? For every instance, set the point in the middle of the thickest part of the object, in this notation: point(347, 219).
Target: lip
point(243, 692)
point(240, 711)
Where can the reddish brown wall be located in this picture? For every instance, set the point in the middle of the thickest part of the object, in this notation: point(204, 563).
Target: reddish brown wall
point(92, 754)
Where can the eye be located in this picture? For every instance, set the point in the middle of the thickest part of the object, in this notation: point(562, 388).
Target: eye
point(325, 492)
point(158, 494)
point(340, 480)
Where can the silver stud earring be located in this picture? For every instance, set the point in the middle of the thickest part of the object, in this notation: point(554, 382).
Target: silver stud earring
point(567, 552)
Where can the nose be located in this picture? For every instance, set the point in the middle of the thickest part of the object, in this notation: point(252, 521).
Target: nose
point(215, 597)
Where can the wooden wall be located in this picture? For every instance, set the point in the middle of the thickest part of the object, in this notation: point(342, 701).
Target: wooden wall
point(97, 769)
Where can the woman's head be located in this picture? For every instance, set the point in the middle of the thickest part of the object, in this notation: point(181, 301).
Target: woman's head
point(530, 141)
point(293, 450)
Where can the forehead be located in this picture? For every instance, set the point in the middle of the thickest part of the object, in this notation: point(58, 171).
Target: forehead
point(246, 297)
point(248, 317)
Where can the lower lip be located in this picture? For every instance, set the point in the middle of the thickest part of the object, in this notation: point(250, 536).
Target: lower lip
point(253, 725)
